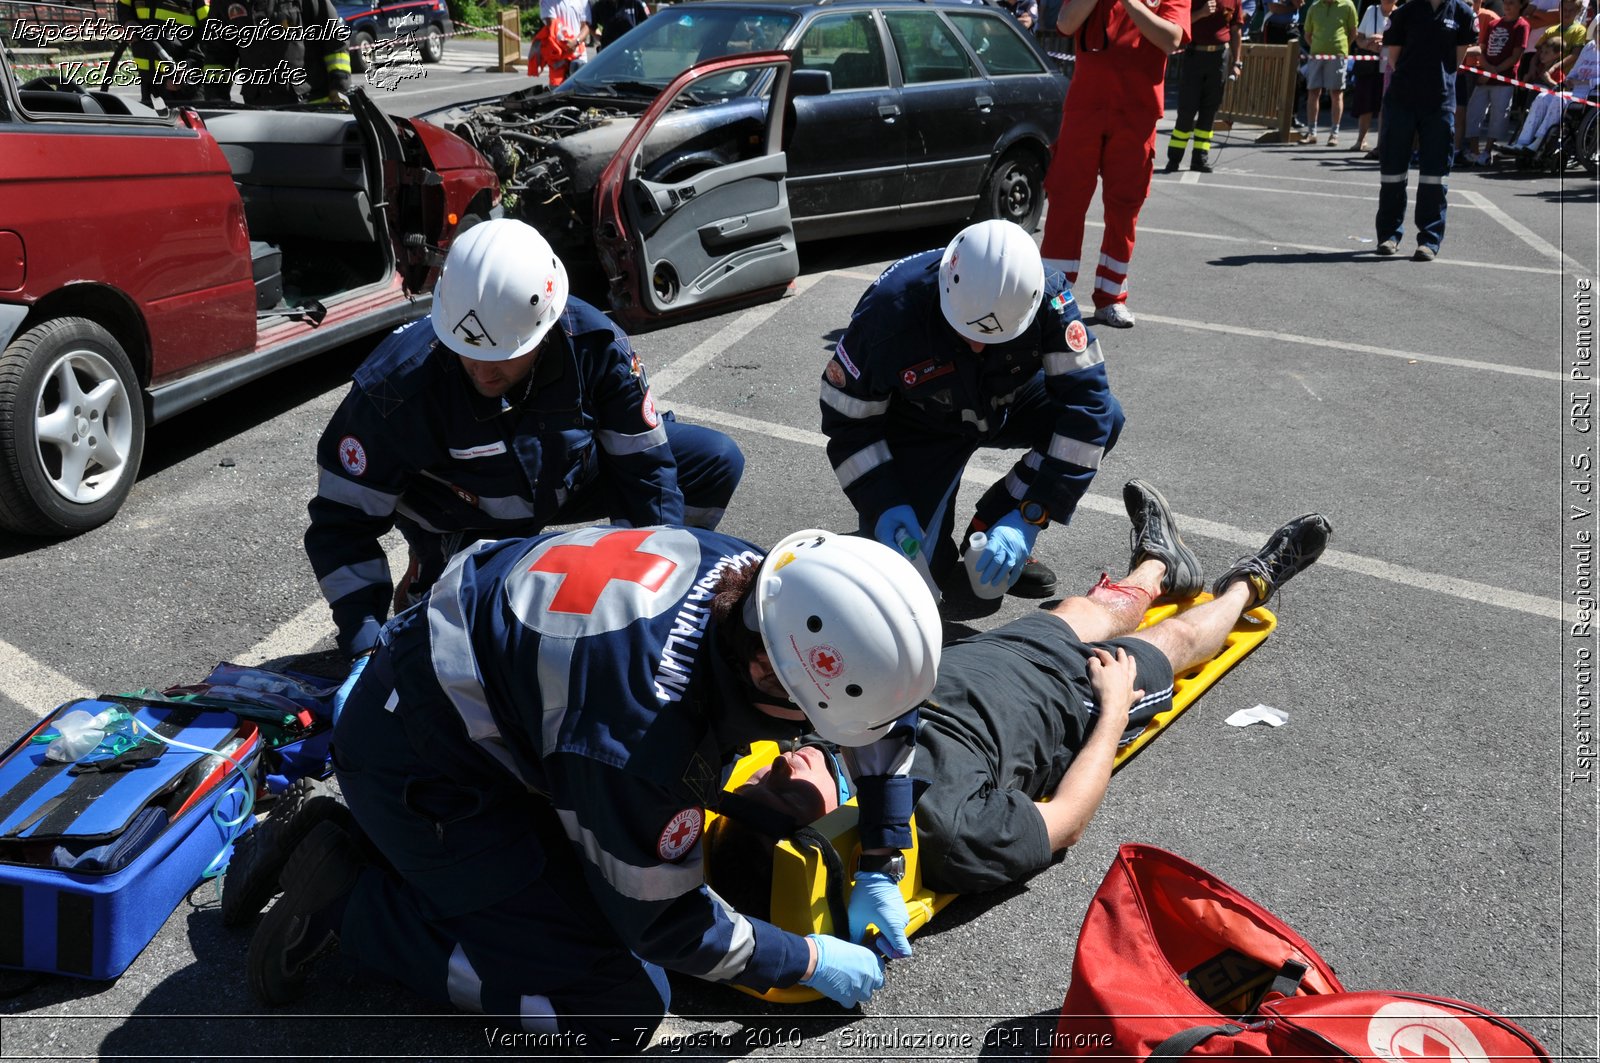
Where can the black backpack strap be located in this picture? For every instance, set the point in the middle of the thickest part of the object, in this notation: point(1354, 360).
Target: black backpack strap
point(1290, 975)
point(1183, 1042)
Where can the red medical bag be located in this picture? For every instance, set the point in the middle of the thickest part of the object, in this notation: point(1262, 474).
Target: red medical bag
point(1174, 962)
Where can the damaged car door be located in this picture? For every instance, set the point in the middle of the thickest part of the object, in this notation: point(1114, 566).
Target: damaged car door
point(682, 231)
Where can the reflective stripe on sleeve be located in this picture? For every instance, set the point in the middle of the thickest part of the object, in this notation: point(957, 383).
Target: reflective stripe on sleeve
point(1076, 452)
point(351, 578)
point(662, 882)
point(862, 462)
point(622, 443)
point(1060, 363)
point(372, 502)
point(850, 406)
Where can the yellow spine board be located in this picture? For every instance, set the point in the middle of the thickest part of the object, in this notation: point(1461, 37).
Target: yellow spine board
point(799, 877)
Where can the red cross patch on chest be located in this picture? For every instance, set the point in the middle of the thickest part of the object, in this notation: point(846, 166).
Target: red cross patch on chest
point(919, 374)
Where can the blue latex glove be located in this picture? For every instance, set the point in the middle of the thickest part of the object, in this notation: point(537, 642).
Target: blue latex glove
point(846, 974)
point(893, 528)
point(341, 695)
point(876, 899)
point(1010, 544)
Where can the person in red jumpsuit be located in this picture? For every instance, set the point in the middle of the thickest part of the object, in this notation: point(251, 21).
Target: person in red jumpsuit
point(1108, 131)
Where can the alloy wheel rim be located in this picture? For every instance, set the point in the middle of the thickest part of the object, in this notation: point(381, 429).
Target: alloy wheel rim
point(83, 427)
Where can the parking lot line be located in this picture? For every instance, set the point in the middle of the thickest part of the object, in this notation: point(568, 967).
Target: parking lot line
point(1522, 232)
point(980, 474)
point(1218, 237)
point(1323, 343)
point(36, 687)
point(698, 357)
point(1319, 342)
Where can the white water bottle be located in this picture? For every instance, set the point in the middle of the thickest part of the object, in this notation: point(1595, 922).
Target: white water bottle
point(975, 544)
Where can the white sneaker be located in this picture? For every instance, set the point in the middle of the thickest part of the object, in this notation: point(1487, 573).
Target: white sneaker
point(1116, 315)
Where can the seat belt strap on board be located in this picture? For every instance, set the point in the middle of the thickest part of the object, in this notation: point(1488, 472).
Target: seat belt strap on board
point(1183, 1042)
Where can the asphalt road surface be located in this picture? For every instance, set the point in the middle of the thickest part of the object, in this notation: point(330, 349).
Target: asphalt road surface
point(1427, 816)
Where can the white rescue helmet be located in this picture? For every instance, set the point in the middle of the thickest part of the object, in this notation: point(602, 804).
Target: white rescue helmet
point(991, 281)
point(501, 290)
point(852, 632)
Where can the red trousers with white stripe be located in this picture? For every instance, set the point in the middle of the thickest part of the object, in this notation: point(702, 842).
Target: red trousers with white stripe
point(1116, 145)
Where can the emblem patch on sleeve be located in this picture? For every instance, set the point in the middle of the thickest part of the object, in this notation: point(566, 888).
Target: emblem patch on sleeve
point(844, 360)
point(679, 835)
point(835, 373)
point(352, 455)
point(1077, 337)
point(647, 410)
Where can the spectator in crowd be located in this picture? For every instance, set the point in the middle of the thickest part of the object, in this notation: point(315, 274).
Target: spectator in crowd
point(1501, 41)
point(1282, 23)
point(1330, 26)
point(1465, 83)
point(613, 18)
point(1564, 18)
point(1578, 74)
point(571, 20)
point(1026, 12)
point(1371, 77)
point(1020, 736)
point(1217, 29)
point(1108, 130)
point(1426, 41)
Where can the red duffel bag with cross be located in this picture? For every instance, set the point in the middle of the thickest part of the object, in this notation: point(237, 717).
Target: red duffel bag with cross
point(1174, 962)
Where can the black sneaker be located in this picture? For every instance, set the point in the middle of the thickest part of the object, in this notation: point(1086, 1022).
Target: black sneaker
point(1290, 549)
point(1038, 580)
point(258, 857)
point(1155, 535)
point(1200, 164)
point(304, 924)
point(1172, 164)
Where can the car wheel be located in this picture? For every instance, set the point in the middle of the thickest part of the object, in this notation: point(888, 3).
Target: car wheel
point(71, 428)
point(1014, 191)
point(360, 49)
point(433, 44)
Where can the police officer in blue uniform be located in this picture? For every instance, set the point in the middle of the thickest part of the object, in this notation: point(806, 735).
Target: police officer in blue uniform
point(533, 746)
point(489, 421)
point(948, 352)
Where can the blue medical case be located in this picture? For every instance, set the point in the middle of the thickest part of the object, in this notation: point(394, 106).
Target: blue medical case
point(92, 863)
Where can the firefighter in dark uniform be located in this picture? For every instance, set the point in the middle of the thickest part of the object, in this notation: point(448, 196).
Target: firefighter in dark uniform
point(161, 63)
point(951, 351)
point(315, 43)
point(1217, 31)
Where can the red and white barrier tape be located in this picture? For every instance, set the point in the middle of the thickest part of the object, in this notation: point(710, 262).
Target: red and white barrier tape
point(1542, 89)
point(1537, 88)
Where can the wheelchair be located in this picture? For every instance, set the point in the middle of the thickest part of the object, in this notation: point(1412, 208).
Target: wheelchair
point(1573, 141)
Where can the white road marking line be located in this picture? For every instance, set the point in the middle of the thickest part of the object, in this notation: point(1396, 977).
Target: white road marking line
point(982, 476)
point(1522, 232)
point(36, 687)
point(1189, 178)
point(698, 357)
point(1313, 341)
point(1215, 238)
point(301, 632)
point(1357, 348)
